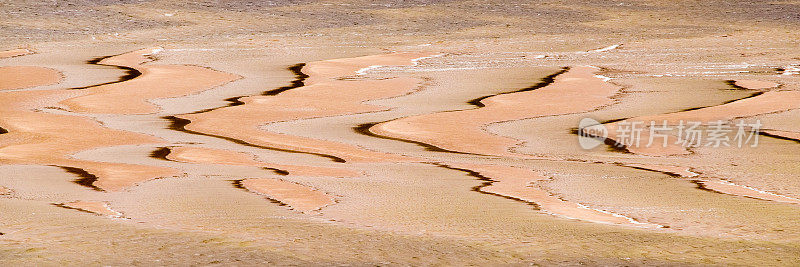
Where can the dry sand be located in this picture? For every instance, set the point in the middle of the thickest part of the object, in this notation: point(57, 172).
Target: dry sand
point(299, 197)
point(394, 133)
point(18, 77)
point(463, 131)
point(154, 81)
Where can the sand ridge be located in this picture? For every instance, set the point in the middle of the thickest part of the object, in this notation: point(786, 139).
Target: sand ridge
point(518, 183)
point(768, 102)
point(323, 95)
point(710, 183)
point(44, 138)
point(227, 157)
point(576, 90)
point(299, 197)
point(155, 81)
point(94, 207)
point(15, 53)
point(19, 77)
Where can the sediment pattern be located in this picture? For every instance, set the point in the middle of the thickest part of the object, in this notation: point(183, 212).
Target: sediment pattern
point(576, 90)
point(226, 149)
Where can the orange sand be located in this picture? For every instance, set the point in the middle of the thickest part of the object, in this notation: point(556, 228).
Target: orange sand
point(156, 81)
point(227, 157)
point(755, 84)
point(99, 208)
point(49, 139)
point(15, 53)
point(299, 197)
point(787, 134)
point(322, 96)
point(740, 190)
point(773, 101)
point(517, 183)
point(718, 185)
point(677, 170)
point(577, 90)
point(18, 77)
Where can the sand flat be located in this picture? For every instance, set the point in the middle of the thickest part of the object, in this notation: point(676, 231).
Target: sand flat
point(15, 53)
point(49, 139)
point(769, 102)
point(155, 81)
point(299, 197)
point(464, 131)
point(18, 77)
point(218, 156)
point(518, 182)
point(96, 207)
point(323, 96)
point(377, 151)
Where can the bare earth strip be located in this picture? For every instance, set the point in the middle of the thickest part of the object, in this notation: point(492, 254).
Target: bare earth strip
point(227, 157)
point(515, 182)
point(49, 139)
point(577, 90)
point(299, 197)
point(772, 101)
point(99, 208)
point(18, 77)
point(156, 81)
point(716, 184)
point(323, 95)
point(15, 53)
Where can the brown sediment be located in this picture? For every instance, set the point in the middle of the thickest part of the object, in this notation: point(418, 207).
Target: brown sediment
point(15, 53)
point(18, 77)
point(756, 104)
point(4, 191)
point(93, 207)
point(155, 81)
point(517, 183)
point(322, 95)
point(567, 92)
point(227, 157)
point(50, 139)
point(300, 197)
